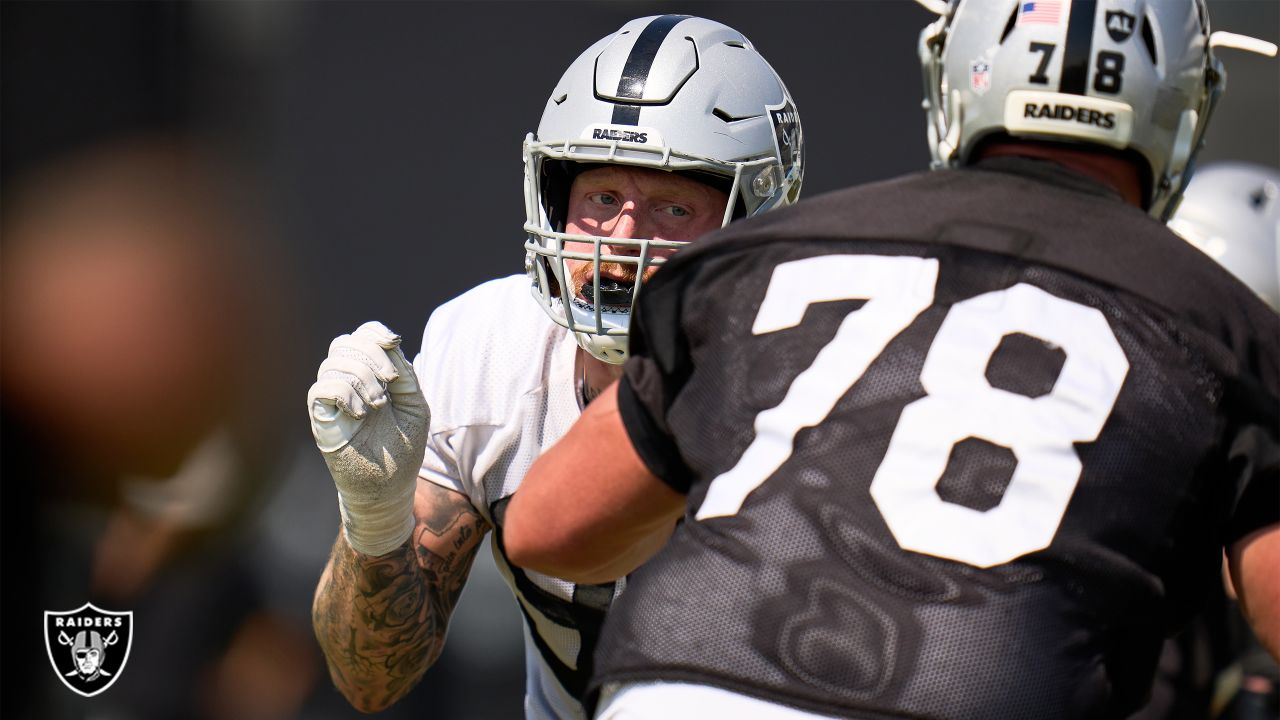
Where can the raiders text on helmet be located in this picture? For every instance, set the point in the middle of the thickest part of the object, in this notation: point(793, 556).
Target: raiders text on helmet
point(671, 92)
point(1137, 75)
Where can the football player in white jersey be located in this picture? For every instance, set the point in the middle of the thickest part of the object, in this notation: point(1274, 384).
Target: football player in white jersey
point(663, 131)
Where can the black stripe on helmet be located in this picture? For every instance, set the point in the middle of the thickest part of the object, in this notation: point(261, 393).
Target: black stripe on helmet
point(1075, 56)
point(635, 73)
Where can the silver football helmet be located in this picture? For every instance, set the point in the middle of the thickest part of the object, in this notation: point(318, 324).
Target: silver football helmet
point(1132, 75)
point(1231, 211)
point(671, 92)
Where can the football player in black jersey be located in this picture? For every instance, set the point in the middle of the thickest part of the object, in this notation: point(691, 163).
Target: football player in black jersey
point(964, 444)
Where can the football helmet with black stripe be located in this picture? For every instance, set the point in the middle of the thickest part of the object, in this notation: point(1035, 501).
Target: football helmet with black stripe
point(1131, 75)
point(670, 92)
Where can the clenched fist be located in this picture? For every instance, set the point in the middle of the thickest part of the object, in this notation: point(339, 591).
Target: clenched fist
point(370, 421)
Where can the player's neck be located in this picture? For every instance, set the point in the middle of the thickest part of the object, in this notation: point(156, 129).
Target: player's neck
point(1109, 169)
point(596, 375)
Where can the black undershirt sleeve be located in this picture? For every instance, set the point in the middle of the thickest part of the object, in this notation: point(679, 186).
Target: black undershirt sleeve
point(1258, 503)
point(654, 446)
point(1253, 455)
point(658, 365)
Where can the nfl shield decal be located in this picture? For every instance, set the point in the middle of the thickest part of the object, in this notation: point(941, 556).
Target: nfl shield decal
point(980, 76)
point(88, 646)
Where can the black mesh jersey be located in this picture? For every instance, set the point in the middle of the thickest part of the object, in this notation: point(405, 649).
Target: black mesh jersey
point(965, 444)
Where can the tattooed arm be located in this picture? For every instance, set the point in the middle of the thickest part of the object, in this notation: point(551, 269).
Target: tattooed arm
point(381, 620)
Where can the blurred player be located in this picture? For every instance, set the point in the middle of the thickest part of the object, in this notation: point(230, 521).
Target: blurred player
point(149, 443)
point(965, 444)
point(1231, 211)
point(655, 135)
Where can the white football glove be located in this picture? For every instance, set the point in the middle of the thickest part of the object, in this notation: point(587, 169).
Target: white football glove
point(370, 421)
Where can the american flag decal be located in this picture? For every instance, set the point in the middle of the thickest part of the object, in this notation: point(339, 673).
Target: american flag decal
point(1045, 12)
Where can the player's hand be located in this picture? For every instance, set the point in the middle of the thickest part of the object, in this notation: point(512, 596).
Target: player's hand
point(370, 421)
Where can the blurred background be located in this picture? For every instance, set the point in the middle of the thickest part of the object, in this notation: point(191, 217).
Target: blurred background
point(198, 196)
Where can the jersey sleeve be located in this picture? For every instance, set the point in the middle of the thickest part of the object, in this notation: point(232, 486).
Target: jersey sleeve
point(482, 355)
point(1251, 400)
point(1258, 502)
point(440, 463)
point(657, 368)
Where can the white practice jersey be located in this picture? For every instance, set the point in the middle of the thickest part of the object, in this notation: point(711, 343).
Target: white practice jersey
point(503, 383)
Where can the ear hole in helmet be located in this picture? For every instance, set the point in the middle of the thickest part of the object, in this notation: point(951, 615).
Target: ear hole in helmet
point(1149, 40)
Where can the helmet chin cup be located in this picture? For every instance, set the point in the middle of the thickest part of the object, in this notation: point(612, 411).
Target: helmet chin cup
point(611, 349)
point(606, 340)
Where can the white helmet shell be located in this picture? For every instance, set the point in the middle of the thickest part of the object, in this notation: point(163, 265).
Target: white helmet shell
point(1231, 211)
point(670, 92)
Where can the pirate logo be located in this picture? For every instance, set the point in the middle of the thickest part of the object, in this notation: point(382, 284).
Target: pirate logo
point(788, 143)
point(88, 646)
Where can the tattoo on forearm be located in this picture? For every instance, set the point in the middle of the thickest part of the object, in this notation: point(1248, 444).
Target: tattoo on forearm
point(381, 620)
point(443, 516)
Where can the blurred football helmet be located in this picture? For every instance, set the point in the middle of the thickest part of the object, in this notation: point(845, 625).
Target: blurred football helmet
point(1231, 211)
point(1132, 75)
point(671, 92)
